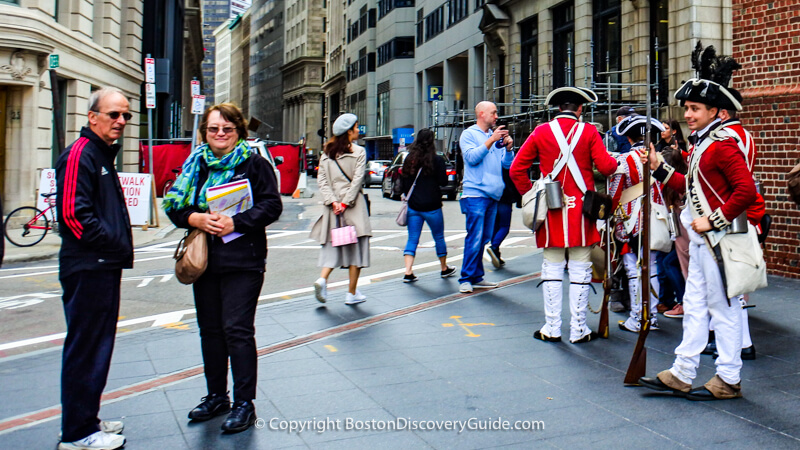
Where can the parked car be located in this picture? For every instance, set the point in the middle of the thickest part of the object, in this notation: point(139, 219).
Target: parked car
point(261, 147)
point(374, 172)
point(391, 186)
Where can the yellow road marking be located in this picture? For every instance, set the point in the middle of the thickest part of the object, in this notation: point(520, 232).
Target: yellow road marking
point(287, 297)
point(331, 348)
point(466, 326)
point(177, 326)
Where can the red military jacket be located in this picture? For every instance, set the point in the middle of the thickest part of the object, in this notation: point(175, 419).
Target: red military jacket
point(745, 143)
point(567, 227)
point(723, 175)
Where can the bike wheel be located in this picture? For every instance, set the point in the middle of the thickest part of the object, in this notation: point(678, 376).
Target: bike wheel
point(26, 226)
point(167, 186)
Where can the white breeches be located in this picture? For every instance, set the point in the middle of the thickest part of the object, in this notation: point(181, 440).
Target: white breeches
point(580, 275)
point(705, 300)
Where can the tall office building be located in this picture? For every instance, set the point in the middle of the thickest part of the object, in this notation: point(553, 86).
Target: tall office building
point(266, 59)
point(214, 13)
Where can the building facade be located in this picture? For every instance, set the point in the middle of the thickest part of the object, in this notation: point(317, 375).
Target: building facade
point(335, 82)
point(96, 44)
point(266, 58)
point(303, 70)
point(214, 13)
point(766, 41)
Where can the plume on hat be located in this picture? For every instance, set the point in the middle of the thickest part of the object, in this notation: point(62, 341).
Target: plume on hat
point(713, 67)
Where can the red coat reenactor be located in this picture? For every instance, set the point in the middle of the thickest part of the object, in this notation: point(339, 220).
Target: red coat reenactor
point(719, 189)
point(566, 227)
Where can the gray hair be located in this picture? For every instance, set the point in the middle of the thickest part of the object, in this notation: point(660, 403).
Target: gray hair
point(100, 94)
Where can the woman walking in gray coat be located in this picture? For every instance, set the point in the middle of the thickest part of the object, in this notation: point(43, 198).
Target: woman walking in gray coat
point(340, 177)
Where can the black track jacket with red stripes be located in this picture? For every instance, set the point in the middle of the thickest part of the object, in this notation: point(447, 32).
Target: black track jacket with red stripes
point(93, 219)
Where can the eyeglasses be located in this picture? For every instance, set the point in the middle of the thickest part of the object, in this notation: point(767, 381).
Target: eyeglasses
point(114, 115)
point(215, 130)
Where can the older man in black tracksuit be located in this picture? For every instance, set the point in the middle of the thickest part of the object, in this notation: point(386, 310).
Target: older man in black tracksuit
point(96, 246)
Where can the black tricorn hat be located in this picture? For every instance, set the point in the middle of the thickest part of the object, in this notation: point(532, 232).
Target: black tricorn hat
point(710, 87)
point(569, 94)
point(636, 125)
point(707, 92)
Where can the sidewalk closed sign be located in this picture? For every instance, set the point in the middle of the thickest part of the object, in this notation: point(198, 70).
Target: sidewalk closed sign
point(136, 189)
point(198, 104)
point(47, 185)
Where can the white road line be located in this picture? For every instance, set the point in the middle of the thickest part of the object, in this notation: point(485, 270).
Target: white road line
point(384, 238)
point(280, 234)
point(430, 244)
point(514, 240)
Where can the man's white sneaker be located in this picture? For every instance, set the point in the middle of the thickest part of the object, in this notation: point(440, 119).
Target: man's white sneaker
point(98, 440)
point(350, 299)
point(108, 426)
point(321, 290)
point(465, 287)
point(484, 285)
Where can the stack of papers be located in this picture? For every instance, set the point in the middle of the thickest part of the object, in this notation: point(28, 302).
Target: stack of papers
point(230, 199)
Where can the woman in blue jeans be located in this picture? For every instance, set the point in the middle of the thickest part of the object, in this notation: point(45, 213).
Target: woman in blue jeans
point(425, 202)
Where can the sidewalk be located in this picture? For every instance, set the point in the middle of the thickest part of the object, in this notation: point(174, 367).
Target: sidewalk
point(49, 246)
point(420, 355)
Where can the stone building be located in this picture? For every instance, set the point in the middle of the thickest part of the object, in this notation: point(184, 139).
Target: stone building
point(97, 43)
point(766, 41)
point(232, 62)
point(335, 83)
point(302, 71)
point(214, 13)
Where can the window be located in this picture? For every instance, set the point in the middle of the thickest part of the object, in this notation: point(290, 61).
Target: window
point(608, 46)
point(660, 15)
point(529, 40)
point(479, 4)
point(360, 26)
point(420, 26)
point(386, 6)
point(434, 23)
point(382, 129)
point(364, 64)
point(457, 11)
point(563, 45)
point(401, 47)
point(357, 103)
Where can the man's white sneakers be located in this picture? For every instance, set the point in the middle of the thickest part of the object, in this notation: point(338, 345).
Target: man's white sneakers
point(98, 440)
point(321, 290)
point(484, 285)
point(108, 426)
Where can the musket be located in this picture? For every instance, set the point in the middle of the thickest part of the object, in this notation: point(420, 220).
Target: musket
point(602, 326)
point(638, 365)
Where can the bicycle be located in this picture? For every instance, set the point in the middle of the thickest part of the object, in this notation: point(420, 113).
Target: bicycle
point(168, 184)
point(26, 226)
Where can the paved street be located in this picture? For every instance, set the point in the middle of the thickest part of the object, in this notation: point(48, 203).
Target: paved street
point(413, 357)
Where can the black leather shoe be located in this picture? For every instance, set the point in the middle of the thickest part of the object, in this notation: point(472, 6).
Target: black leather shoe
point(242, 416)
point(538, 335)
point(656, 384)
point(211, 406)
point(710, 349)
point(749, 353)
point(589, 337)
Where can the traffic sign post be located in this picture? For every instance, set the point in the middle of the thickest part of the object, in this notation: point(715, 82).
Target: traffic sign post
point(195, 87)
point(198, 106)
point(150, 103)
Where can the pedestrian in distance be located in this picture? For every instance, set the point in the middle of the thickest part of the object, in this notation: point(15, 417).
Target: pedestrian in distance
point(573, 147)
point(502, 221)
point(671, 137)
point(226, 295)
point(486, 152)
point(340, 177)
point(426, 171)
point(615, 141)
point(96, 244)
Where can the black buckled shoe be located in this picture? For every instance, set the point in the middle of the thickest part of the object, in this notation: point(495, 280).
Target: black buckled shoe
point(588, 338)
point(242, 416)
point(656, 384)
point(538, 335)
point(210, 406)
point(749, 353)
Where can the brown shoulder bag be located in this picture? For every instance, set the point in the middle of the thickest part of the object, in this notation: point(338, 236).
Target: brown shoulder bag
point(191, 256)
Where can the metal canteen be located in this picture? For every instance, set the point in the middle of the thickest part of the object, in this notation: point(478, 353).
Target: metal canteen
point(674, 222)
point(739, 224)
point(554, 195)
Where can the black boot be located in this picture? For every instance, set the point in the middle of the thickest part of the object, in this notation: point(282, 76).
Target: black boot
point(211, 406)
point(242, 416)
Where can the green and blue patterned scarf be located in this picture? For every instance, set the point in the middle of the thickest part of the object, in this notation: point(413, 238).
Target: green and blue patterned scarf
point(220, 171)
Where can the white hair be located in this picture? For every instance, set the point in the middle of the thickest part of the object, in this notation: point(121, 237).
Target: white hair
point(94, 99)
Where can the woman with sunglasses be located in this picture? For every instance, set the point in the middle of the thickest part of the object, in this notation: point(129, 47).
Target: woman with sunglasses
point(340, 177)
point(227, 293)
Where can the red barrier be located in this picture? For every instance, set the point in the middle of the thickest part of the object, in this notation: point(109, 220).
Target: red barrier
point(290, 169)
point(165, 158)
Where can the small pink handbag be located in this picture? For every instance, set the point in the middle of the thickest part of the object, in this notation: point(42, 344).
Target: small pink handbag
point(343, 235)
